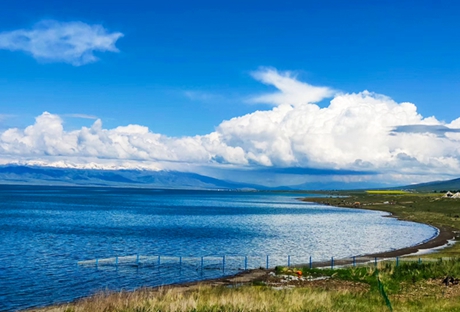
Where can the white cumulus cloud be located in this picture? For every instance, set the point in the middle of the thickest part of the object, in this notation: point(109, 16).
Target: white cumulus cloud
point(356, 131)
point(68, 42)
point(353, 132)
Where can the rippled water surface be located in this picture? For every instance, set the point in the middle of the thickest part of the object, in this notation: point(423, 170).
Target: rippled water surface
point(45, 231)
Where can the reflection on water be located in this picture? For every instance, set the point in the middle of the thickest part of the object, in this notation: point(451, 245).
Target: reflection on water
point(45, 231)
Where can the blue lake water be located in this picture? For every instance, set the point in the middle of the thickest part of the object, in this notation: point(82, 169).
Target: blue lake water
point(45, 231)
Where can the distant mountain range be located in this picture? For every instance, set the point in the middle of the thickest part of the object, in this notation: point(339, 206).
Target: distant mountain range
point(19, 174)
point(449, 185)
point(93, 177)
point(27, 174)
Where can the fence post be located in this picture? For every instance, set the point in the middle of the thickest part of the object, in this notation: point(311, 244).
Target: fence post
point(246, 263)
point(332, 263)
point(267, 262)
point(397, 261)
point(419, 260)
point(375, 261)
point(289, 260)
point(223, 265)
point(310, 263)
point(354, 261)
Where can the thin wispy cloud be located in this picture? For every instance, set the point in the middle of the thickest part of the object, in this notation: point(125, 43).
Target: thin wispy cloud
point(5, 116)
point(83, 116)
point(201, 96)
point(290, 90)
point(213, 98)
point(67, 42)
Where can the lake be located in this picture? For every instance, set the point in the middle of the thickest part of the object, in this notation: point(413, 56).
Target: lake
point(46, 230)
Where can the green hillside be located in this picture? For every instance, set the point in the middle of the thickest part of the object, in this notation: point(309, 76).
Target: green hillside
point(438, 186)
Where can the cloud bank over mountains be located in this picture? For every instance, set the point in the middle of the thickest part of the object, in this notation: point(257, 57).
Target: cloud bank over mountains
point(53, 41)
point(357, 131)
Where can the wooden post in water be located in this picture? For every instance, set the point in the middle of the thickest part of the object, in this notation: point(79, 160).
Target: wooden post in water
point(246, 263)
point(223, 265)
point(202, 264)
point(137, 260)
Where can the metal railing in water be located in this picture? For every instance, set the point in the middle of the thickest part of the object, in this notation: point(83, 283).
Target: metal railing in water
point(232, 263)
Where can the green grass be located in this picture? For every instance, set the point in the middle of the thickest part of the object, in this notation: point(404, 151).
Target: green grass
point(392, 274)
point(398, 284)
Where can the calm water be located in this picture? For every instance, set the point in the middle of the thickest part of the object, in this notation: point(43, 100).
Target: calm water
point(44, 231)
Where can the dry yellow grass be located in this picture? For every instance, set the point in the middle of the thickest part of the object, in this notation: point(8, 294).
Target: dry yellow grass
point(245, 298)
point(255, 298)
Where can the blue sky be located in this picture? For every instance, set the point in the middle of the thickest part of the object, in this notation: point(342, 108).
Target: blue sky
point(181, 68)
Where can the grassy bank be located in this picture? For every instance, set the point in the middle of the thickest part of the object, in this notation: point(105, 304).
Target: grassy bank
point(262, 299)
point(403, 286)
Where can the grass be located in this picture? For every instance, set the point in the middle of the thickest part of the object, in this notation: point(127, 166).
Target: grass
point(393, 275)
point(247, 298)
point(254, 299)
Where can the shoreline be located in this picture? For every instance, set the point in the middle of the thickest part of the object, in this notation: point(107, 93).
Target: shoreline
point(444, 236)
point(438, 242)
